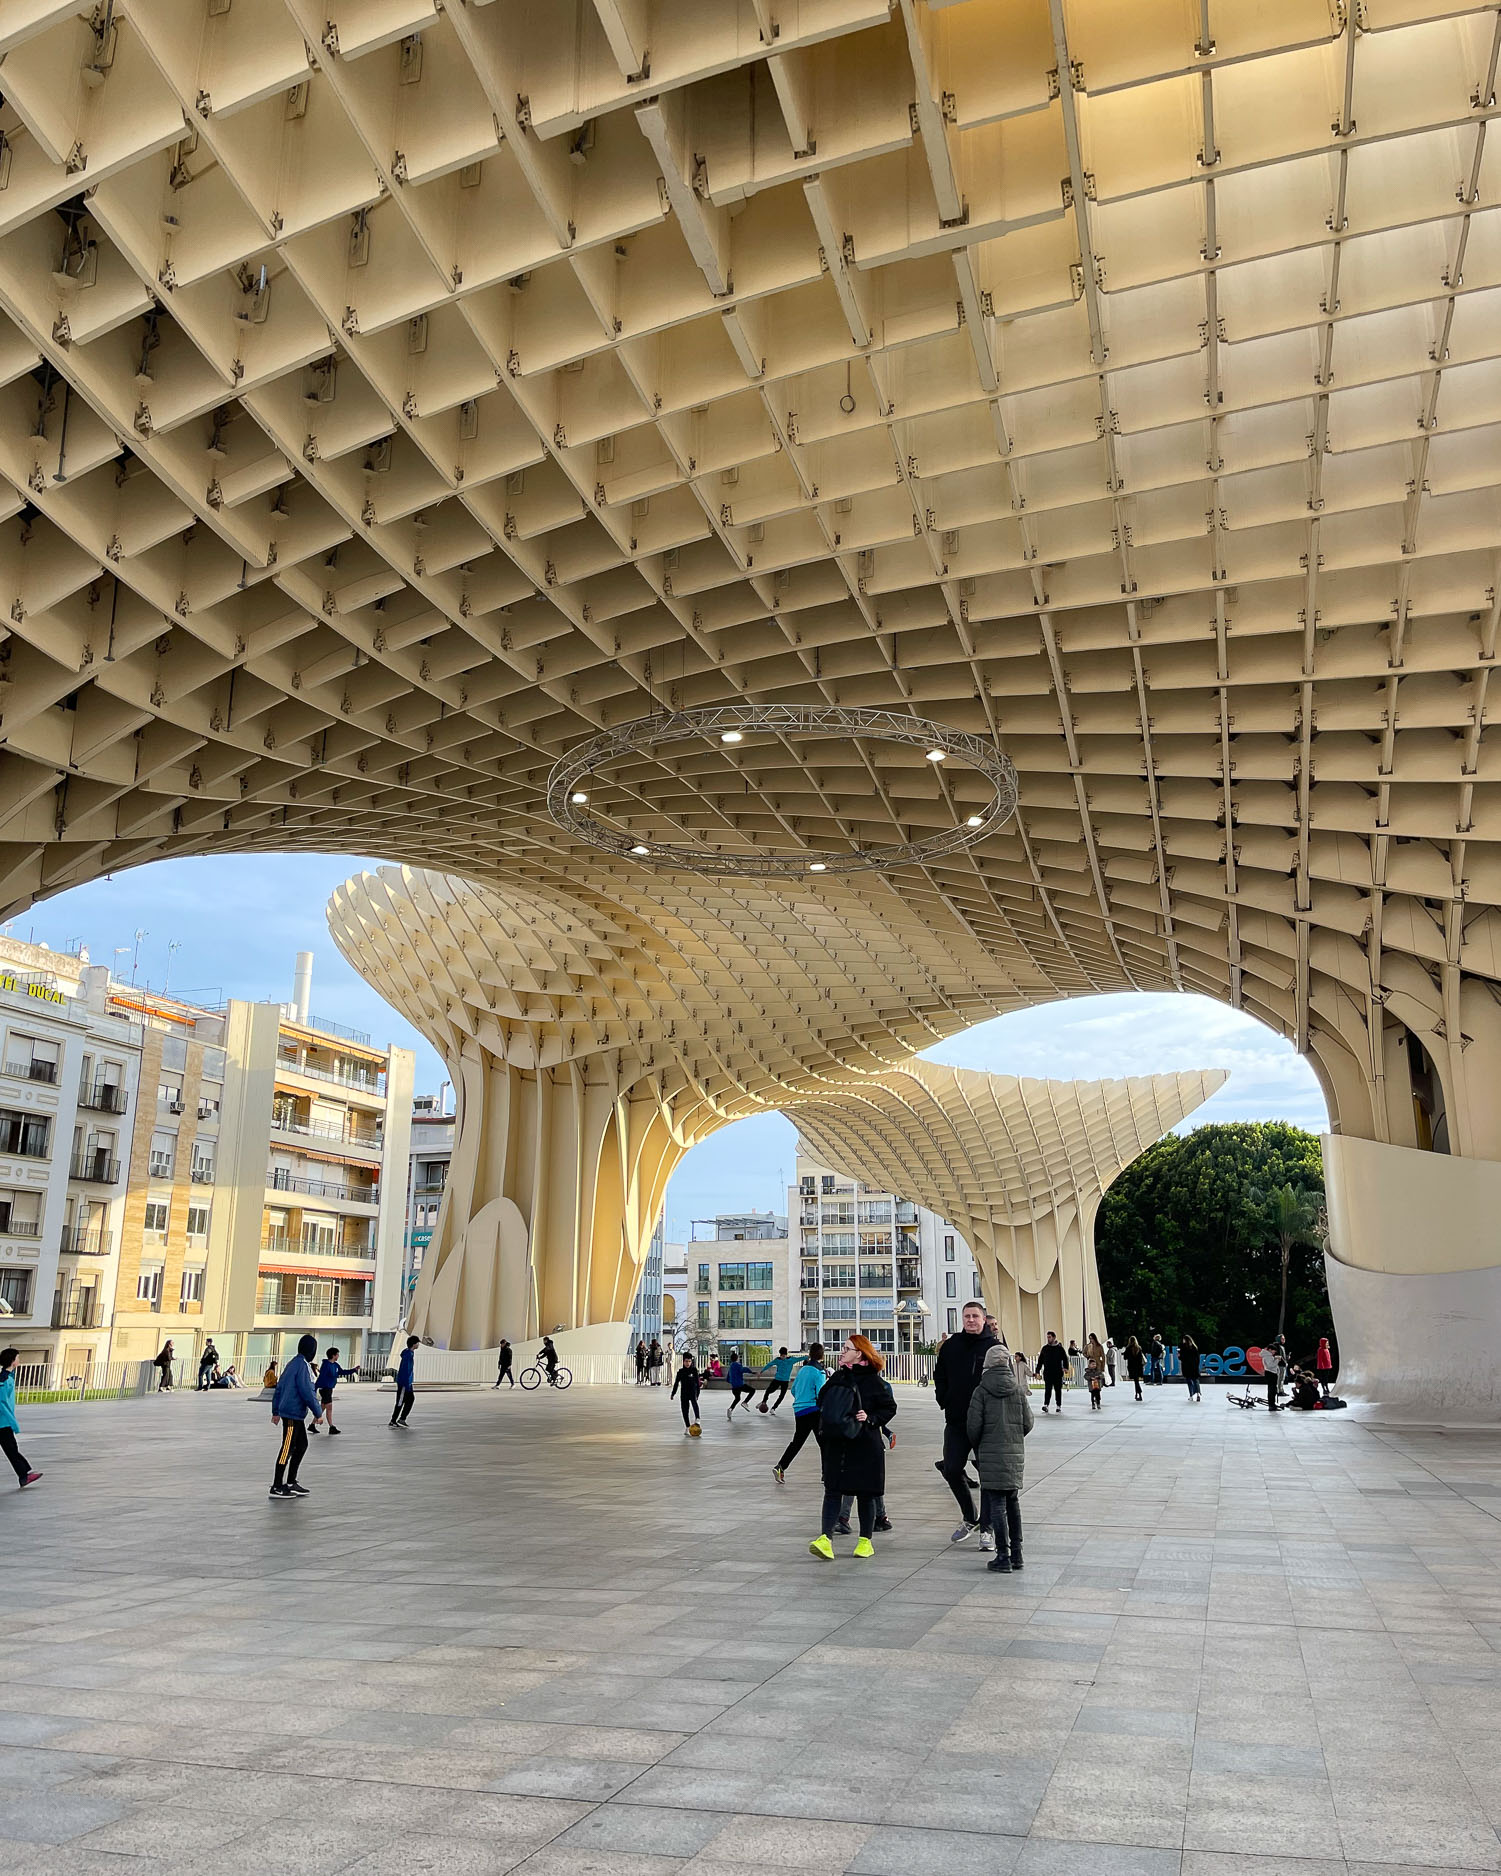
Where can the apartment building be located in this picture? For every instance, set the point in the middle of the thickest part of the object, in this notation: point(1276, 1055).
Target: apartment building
point(69, 1074)
point(432, 1138)
point(741, 1298)
point(651, 1314)
point(875, 1262)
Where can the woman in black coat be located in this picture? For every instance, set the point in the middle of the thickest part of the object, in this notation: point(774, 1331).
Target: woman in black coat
point(853, 1407)
point(1135, 1363)
point(1188, 1361)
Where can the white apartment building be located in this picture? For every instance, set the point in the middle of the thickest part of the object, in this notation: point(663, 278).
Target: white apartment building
point(69, 1076)
point(432, 1136)
point(740, 1285)
point(866, 1259)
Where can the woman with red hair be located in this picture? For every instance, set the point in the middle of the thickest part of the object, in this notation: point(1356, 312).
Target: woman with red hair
point(854, 1406)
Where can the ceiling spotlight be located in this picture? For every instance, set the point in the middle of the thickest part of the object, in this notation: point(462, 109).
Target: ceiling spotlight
point(817, 866)
point(732, 736)
point(578, 797)
point(937, 755)
point(975, 820)
point(638, 848)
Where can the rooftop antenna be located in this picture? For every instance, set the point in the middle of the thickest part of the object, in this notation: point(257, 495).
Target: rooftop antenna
point(135, 956)
point(174, 945)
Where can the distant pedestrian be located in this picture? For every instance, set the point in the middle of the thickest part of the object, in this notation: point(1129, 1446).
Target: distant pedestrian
point(955, 1375)
point(9, 1427)
point(807, 1384)
point(1158, 1357)
point(740, 1383)
point(641, 1364)
point(1000, 1418)
point(1094, 1371)
point(1052, 1360)
point(1188, 1361)
point(503, 1370)
point(296, 1397)
point(207, 1362)
point(163, 1365)
point(1110, 1353)
point(782, 1370)
point(654, 1361)
point(1323, 1366)
point(1274, 1364)
point(1136, 1363)
point(1075, 1364)
point(406, 1383)
point(268, 1379)
point(330, 1374)
point(1023, 1369)
point(685, 1385)
point(855, 1404)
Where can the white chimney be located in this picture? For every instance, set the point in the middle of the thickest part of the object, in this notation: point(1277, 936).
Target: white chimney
point(302, 986)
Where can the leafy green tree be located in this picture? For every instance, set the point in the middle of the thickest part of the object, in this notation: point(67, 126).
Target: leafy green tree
point(1189, 1241)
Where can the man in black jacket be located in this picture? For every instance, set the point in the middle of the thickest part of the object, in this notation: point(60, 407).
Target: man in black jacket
point(955, 1375)
point(1051, 1365)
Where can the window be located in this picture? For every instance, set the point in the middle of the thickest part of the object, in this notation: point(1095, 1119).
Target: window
point(169, 1093)
point(948, 1250)
point(839, 1276)
point(149, 1285)
point(24, 1136)
point(30, 1059)
point(827, 1182)
point(731, 1316)
point(157, 1213)
point(758, 1315)
point(950, 1283)
point(192, 1286)
point(875, 1276)
point(163, 1155)
point(15, 1289)
point(881, 1308)
point(953, 1322)
point(320, 1233)
point(317, 1296)
point(208, 1107)
point(979, 1293)
point(213, 1064)
point(20, 1214)
point(745, 1276)
point(202, 1169)
point(839, 1309)
point(807, 1185)
point(268, 1296)
point(197, 1221)
point(703, 1315)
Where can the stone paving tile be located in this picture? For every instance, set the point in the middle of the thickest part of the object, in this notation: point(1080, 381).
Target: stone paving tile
point(581, 1650)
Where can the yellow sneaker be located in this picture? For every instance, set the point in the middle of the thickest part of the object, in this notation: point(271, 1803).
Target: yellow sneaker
point(821, 1547)
point(865, 1548)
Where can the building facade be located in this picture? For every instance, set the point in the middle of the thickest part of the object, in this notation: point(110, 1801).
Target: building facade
point(741, 1293)
point(432, 1136)
point(874, 1261)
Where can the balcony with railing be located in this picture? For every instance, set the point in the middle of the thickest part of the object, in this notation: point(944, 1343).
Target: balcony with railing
point(33, 1071)
point(361, 1251)
point(908, 1276)
point(280, 1181)
point(86, 1241)
point(20, 1227)
point(368, 1139)
point(371, 1083)
point(103, 1097)
point(82, 1309)
point(702, 1287)
point(98, 1169)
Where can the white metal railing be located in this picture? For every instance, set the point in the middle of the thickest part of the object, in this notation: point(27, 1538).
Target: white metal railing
point(366, 1084)
point(53, 1380)
point(344, 1136)
point(283, 1246)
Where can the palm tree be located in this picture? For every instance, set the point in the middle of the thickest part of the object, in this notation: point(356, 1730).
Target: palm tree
point(1292, 1216)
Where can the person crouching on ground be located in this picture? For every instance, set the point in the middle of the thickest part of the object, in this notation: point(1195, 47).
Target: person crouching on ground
point(1000, 1418)
point(855, 1405)
point(685, 1385)
point(9, 1427)
point(330, 1374)
point(296, 1397)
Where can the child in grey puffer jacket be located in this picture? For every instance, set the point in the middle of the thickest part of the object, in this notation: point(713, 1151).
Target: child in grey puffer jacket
point(1000, 1418)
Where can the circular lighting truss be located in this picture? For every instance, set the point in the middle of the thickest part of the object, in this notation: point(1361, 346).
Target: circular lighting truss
point(568, 784)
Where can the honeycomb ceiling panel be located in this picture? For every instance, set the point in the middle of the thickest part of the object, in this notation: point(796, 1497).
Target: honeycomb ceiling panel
point(393, 394)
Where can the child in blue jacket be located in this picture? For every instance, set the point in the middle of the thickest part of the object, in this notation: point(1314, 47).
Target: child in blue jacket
point(740, 1383)
point(295, 1398)
point(8, 1427)
point(330, 1374)
point(807, 1385)
point(406, 1382)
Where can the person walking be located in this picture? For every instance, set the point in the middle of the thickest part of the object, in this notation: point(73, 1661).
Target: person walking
point(1273, 1366)
point(1110, 1354)
point(163, 1365)
point(640, 1364)
point(1094, 1371)
point(330, 1374)
point(1136, 1363)
point(685, 1384)
point(739, 1384)
point(654, 1360)
point(207, 1362)
point(854, 1406)
point(955, 1375)
point(503, 1371)
point(296, 1397)
point(999, 1419)
point(1323, 1366)
point(1052, 1361)
point(406, 1383)
point(807, 1385)
point(779, 1381)
point(9, 1426)
point(1188, 1361)
point(1158, 1359)
point(1075, 1364)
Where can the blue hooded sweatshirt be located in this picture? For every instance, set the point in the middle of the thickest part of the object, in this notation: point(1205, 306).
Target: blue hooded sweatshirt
point(295, 1394)
point(807, 1384)
point(8, 1401)
point(330, 1374)
point(406, 1368)
point(737, 1373)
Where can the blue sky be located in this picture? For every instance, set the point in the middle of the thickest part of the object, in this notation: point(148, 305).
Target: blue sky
point(239, 920)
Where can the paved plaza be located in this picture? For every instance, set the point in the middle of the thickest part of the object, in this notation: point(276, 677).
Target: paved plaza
point(549, 1634)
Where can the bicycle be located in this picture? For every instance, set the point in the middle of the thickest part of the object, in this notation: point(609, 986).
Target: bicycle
point(533, 1376)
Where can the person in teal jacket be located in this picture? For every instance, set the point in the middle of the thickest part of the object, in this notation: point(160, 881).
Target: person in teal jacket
point(8, 1427)
point(807, 1384)
point(779, 1373)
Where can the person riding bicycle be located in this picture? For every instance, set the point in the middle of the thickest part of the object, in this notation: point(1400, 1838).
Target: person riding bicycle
point(549, 1359)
